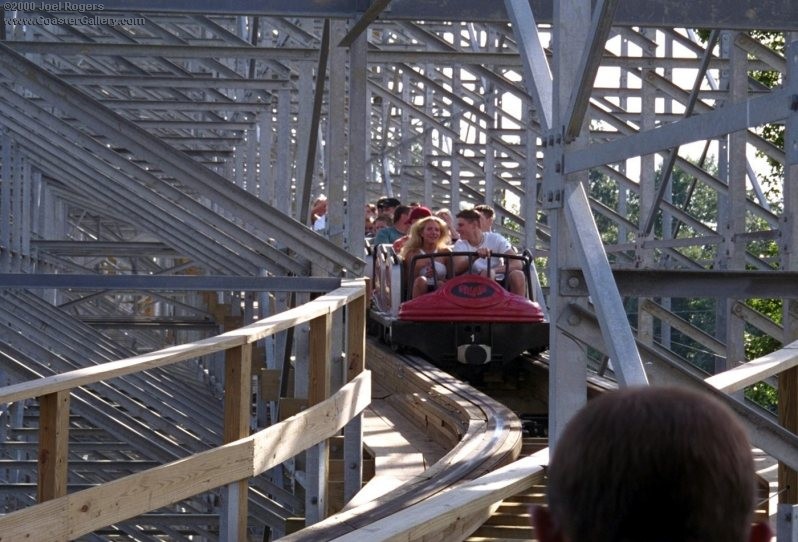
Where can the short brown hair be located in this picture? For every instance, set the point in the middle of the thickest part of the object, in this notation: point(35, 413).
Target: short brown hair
point(485, 209)
point(653, 464)
point(469, 214)
point(398, 212)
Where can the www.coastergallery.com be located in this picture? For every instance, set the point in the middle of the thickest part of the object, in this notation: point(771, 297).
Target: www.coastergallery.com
point(41, 20)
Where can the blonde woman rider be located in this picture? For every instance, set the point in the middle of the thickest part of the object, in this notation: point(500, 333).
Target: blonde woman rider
point(429, 235)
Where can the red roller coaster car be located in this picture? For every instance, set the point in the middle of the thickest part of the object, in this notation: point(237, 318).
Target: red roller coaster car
point(469, 318)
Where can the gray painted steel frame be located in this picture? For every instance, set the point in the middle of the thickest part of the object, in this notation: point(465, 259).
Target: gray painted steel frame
point(767, 14)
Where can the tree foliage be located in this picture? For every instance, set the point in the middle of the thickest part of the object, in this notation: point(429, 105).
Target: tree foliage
point(773, 132)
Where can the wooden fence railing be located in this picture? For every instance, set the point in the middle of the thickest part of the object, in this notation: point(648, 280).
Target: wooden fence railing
point(59, 516)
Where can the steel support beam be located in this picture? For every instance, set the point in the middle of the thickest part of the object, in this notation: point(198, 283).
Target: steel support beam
point(592, 55)
point(374, 10)
point(667, 169)
point(537, 74)
point(307, 166)
point(249, 208)
point(739, 116)
point(173, 283)
point(771, 14)
point(151, 209)
point(686, 283)
point(664, 368)
point(603, 291)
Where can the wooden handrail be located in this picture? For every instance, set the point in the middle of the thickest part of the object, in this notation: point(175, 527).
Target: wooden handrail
point(431, 517)
point(756, 370)
point(251, 333)
point(240, 457)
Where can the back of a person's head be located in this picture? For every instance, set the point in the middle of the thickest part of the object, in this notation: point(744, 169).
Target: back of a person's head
point(469, 214)
point(485, 209)
point(652, 465)
point(399, 212)
point(419, 212)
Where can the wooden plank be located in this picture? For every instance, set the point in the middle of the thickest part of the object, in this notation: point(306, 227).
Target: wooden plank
point(237, 392)
point(258, 358)
point(788, 418)
point(53, 446)
point(440, 424)
point(320, 348)
point(355, 364)
point(220, 311)
point(756, 370)
point(74, 515)
point(356, 337)
point(237, 403)
point(338, 468)
point(400, 452)
point(294, 524)
point(437, 514)
point(77, 514)
point(312, 425)
point(492, 441)
point(270, 384)
point(232, 322)
point(291, 406)
point(317, 458)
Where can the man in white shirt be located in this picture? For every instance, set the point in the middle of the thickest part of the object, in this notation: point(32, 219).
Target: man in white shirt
point(473, 239)
point(486, 214)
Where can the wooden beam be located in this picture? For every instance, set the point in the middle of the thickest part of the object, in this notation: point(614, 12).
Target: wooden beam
point(53, 445)
point(788, 418)
point(355, 364)
point(318, 457)
point(756, 370)
point(237, 402)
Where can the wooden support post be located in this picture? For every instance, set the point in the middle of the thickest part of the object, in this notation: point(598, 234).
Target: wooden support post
point(53, 445)
point(788, 418)
point(237, 402)
point(318, 391)
point(355, 364)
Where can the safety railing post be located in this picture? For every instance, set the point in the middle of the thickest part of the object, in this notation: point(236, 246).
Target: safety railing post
point(53, 445)
point(355, 364)
point(237, 401)
point(318, 391)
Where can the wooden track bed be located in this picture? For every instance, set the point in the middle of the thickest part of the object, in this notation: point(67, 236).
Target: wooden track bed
point(480, 433)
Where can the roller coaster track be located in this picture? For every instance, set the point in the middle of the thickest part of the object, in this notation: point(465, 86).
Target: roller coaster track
point(481, 433)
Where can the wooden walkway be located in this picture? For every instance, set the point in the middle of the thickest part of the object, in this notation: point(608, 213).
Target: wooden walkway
point(401, 452)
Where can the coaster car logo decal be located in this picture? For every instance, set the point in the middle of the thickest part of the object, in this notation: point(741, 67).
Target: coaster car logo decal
point(473, 290)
